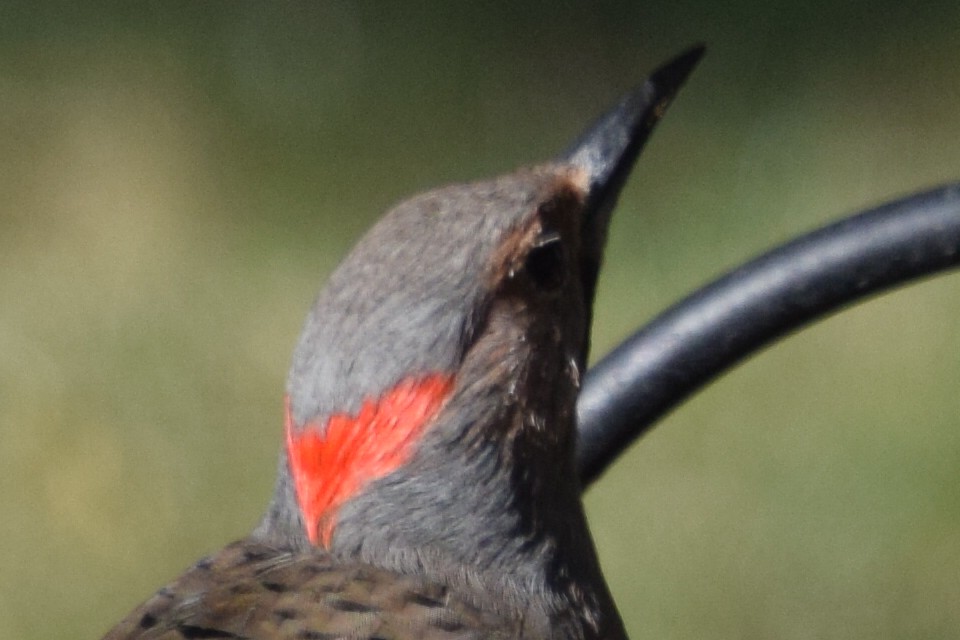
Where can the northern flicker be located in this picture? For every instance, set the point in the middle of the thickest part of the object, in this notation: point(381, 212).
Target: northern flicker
point(427, 486)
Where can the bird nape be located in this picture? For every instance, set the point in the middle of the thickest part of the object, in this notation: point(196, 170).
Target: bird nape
point(427, 486)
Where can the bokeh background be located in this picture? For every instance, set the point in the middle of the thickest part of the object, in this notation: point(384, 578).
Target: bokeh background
point(177, 178)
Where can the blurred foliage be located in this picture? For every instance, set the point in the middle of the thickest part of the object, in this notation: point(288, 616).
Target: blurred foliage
point(177, 178)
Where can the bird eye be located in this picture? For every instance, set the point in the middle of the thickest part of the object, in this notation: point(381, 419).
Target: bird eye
point(545, 263)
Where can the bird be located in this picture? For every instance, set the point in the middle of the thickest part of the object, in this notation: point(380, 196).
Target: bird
point(427, 486)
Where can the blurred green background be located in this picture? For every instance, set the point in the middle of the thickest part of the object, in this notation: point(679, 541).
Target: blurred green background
point(176, 180)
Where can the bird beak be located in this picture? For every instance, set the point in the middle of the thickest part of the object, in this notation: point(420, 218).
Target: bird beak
point(608, 149)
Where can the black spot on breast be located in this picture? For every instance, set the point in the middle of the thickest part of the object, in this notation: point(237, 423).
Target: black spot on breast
point(285, 614)
point(307, 634)
point(351, 606)
point(200, 633)
point(148, 620)
point(424, 600)
point(276, 587)
point(255, 555)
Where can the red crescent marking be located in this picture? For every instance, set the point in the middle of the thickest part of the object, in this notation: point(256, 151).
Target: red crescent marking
point(330, 465)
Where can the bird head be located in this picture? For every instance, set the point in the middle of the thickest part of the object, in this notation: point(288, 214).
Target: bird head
point(430, 412)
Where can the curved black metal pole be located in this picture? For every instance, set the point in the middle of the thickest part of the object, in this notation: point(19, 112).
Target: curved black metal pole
point(709, 332)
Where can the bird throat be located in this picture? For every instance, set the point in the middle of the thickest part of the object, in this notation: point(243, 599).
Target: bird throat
point(332, 462)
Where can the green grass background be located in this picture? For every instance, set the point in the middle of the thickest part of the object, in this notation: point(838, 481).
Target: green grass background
point(177, 179)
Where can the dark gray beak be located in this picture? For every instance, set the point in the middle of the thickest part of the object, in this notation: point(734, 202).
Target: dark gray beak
point(608, 149)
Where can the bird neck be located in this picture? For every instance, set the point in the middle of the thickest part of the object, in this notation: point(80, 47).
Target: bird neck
point(485, 504)
point(506, 506)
